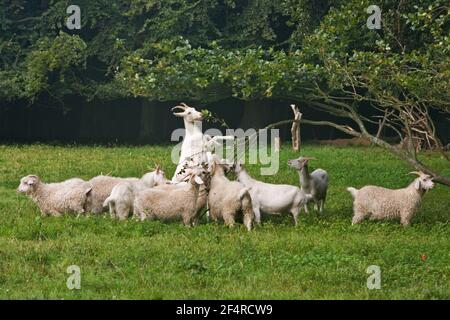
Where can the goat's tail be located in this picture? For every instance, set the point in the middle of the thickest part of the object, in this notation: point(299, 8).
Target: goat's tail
point(111, 203)
point(247, 209)
point(243, 192)
point(88, 192)
point(353, 191)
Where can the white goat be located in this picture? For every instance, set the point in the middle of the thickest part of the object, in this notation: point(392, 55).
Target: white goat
point(315, 183)
point(272, 198)
point(171, 202)
point(120, 202)
point(377, 203)
point(71, 196)
point(101, 189)
point(195, 144)
point(202, 196)
point(227, 199)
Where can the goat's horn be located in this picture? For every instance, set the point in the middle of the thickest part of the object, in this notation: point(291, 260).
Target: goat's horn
point(415, 172)
point(178, 107)
point(310, 158)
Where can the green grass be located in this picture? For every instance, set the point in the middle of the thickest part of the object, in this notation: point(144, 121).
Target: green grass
point(324, 257)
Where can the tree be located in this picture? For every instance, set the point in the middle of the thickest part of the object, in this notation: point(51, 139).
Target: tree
point(342, 68)
point(314, 52)
point(114, 30)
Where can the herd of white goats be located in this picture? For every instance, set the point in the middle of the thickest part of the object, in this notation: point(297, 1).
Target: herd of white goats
point(200, 182)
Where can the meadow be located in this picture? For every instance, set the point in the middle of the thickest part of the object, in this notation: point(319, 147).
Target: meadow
point(324, 257)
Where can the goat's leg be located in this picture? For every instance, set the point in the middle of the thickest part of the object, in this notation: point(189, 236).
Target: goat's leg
point(295, 212)
point(359, 213)
point(257, 214)
point(187, 219)
point(55, 213)
point(122, 211)
point(321, 204)
point(405, 218)
point(358, 217)
point(213, 215)
point(306, 208)
point(112, 209)
point(143, 215)
point(228, 218)
point(136, 215)
point(207, 213)
point(79, 209)
point(44, 213)
point(248, 221)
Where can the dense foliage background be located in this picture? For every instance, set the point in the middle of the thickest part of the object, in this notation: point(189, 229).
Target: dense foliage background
point(212, 49)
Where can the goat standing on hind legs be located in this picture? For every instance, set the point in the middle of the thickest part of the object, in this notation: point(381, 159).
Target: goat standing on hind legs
point(196, 145)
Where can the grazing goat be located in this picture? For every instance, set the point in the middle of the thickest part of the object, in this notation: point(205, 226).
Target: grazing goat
point(315, 183)
point(272, 198)
point(120, 202)
point(202, 195)
point(71, 196)
point(377, 203)
point(101, 189)
point(171, 202)
point(226, 199)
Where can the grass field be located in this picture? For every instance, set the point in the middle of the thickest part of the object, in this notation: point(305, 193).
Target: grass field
point(322, 258)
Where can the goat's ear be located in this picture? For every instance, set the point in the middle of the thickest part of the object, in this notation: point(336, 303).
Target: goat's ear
point(417, 184)
point(198, 180)
point(213, 167)
point(32, 179)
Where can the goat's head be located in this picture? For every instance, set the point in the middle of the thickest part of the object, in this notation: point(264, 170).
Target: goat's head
point(423, 181)
point(238, 167)
point(299, 163)
point(156, 176)
point(28, 184)
point(196, 175)
point(188, 113)
point(215, 161)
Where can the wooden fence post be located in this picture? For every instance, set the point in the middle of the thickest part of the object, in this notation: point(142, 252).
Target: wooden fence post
point(295, 129)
